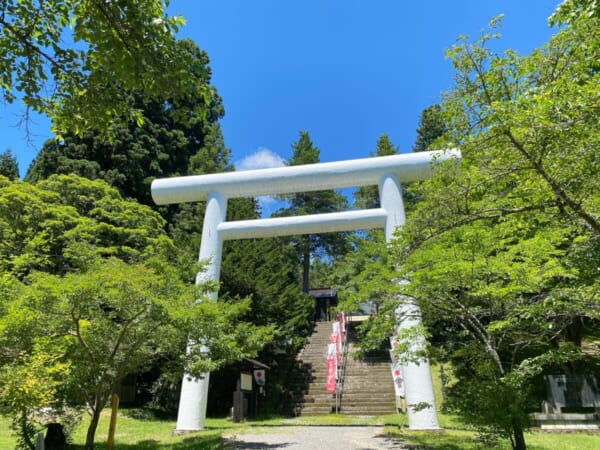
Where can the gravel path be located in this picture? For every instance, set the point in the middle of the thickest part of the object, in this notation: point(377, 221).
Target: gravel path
point(315, 438)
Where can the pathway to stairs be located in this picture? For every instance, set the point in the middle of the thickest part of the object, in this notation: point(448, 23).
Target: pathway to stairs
point(368, 384)
point(316, 438)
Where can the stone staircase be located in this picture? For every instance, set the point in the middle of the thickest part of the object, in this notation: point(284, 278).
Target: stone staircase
point(368, 386)
point(308, 391)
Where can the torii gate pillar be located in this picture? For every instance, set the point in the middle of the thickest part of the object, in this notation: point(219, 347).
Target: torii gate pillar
point(191, 414)
point(419, 392)
point(385, 171)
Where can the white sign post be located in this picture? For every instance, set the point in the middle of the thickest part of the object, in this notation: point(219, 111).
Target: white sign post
point(387, 172)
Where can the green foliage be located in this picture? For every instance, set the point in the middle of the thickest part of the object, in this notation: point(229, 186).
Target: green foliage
point(493, 250)
point(9, 167)
point(572, 10)
point(78, 335)
point(265, 271)
point(499, 252)
point(63, 223)
point(176, 137)
point(77, 61)
point(368, 196)
point(98, 300)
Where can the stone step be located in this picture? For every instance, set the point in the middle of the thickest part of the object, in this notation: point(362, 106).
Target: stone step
point(315, 412)
point(367, 372)
point(368, 386)
point(358, 385)
point(320, 397)
point(320, 388)
point(372, 395)
point(351, 362)
point(365, 412)
point(362, 365)
point(309, 395)
point(374, 401)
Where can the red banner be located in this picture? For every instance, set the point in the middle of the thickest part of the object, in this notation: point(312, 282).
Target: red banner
point(330, 366)
point(335, 339)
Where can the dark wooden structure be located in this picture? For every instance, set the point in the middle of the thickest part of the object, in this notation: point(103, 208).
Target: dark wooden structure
point(245, 396)
point(325, 299)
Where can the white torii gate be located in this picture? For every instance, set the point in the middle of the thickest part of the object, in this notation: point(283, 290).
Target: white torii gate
point(387, 172)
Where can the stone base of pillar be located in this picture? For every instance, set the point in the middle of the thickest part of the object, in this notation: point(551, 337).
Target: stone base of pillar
point(177, 432)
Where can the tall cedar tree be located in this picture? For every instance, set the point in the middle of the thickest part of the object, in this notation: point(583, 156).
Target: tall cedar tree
point(432, 126)
point(173, 131)
point(9, 167)
point(332, 245)
point(366, 197)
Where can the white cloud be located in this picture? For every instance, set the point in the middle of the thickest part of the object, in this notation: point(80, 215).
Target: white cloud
point(262, 159)
point(268, 205)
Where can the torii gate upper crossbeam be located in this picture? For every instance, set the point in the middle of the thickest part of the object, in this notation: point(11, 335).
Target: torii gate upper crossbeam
point(286, 180)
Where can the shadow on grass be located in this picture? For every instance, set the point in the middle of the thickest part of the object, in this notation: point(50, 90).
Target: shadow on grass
point(442, 440)
point(213, 442)
point(147, 414)
point(233, 444)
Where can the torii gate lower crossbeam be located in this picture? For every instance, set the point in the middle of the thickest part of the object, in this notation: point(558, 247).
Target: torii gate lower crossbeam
point(386, 172)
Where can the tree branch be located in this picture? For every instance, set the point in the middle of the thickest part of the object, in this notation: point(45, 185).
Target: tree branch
point(27, 43)
point(80, 338)
point(558, 191)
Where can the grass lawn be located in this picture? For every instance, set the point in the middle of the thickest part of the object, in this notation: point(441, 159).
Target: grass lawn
point(135, 431)
point(457, 436)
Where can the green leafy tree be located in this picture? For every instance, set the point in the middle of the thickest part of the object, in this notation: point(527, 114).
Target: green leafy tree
point(358, 275)
point(499, 249)
point(115, 319)
point(8, 165)
point(318, 245)
point(60, 224)
point(98, 299)
point(78, 61)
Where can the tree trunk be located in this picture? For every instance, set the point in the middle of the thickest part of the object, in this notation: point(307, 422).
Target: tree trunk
point(518, 441)
point(306, 267)
point(91, 431)
point(23, 423)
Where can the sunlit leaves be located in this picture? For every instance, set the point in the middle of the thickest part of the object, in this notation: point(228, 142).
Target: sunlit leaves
point(76, 61)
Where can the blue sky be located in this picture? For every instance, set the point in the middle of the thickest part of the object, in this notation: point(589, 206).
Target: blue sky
point(345, 71)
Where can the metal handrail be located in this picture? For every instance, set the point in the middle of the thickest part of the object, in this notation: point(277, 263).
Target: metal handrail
point(341, 371)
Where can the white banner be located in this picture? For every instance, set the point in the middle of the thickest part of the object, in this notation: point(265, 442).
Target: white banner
point(259, 377)
point(398, 381)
